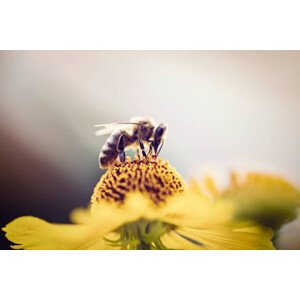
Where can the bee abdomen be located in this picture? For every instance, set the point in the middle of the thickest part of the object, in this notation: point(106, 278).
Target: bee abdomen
point(107, 159)
point(109, 153)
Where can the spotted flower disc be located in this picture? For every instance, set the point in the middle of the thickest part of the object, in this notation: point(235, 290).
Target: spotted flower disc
point(152, 177)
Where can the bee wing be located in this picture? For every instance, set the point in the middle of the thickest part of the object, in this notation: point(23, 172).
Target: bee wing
point(107, 128)
point(111, 127)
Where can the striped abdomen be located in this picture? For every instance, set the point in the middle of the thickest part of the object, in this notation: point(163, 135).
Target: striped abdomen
point(109, 153)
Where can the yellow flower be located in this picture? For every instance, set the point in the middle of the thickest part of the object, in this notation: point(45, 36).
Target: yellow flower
point(143, 205)
point(155, 178)
point(266, 199)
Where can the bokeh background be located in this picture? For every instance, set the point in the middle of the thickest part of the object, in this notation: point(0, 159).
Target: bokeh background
point(225, 109)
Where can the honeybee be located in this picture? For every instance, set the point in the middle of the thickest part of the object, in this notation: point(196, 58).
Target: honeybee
point(135, 134)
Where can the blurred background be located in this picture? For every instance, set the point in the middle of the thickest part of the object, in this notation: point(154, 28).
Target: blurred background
point(225, 109)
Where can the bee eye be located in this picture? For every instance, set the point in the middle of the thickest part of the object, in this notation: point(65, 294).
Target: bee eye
point(159, 131)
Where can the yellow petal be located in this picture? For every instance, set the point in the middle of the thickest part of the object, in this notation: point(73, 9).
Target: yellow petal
point(81, 216)
point(211, 187)
point(195, 210)
point(264, 198)
point(248, 238)
point(136, 206)
point(33, 233)
point(92, 225)
point(263, 186)
point(174, 241)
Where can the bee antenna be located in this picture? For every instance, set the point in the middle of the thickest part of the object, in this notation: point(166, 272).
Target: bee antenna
point(129, 123)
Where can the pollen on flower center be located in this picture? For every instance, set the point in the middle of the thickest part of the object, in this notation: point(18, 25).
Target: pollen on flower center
point(153, 177)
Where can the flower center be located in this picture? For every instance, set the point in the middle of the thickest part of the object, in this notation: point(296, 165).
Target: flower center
point(153, 177)
point(141, 235)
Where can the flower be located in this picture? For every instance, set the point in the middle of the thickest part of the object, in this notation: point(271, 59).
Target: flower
point(267, 199)
point(154, 178)
point(143, 205)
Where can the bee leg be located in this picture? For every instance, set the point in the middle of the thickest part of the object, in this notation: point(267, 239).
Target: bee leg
point(155, 145)
point(121, 148)
point(138, 154)
point(162, 143)
point(122, 157)
point(150, 149)
point(142, 148)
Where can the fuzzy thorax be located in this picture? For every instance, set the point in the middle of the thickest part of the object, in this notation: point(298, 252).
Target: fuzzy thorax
point(152, 177)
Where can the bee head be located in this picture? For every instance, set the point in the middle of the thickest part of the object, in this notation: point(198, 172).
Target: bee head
point(158, 138)
point(160, 132)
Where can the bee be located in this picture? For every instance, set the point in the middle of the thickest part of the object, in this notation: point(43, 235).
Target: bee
point(134, 134)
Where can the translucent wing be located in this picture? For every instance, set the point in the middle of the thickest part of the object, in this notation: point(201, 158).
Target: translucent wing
point(111, 127)
point(106, 129)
